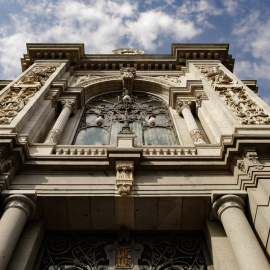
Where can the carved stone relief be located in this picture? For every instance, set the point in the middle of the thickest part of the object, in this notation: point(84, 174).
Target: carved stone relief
point(124, 177)
point(128, 51)
point(80, 79)
point(235, 97)
point(242, 106)
point(215, 75)
point(173, 79)
point(250, 159)
point(128, 76)
point(18, 95)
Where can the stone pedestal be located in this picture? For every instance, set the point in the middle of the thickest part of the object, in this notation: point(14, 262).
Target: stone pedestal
point(17, 210)
point(229, 209)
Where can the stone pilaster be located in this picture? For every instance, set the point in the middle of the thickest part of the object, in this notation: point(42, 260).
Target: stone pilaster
point(184, 109)
point(17, 210)
point(54, 135)
point(229, 209)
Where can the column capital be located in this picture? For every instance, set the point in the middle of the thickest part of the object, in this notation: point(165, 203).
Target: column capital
point(22, 202)
point(70, 103)
point(182, 104)
point(225, 202)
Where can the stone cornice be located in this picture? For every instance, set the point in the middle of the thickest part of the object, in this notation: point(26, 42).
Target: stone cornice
point(81, 61)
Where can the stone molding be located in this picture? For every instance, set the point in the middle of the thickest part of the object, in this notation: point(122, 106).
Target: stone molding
point(21, 202)
point(124, 177)
point(225, 202)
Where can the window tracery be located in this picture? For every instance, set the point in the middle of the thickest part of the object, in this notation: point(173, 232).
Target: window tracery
point(108, 115)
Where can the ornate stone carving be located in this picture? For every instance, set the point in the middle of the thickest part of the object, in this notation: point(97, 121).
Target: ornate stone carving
point(173, 79)
point(128, 51)
point(250, 159)
point(124, 177)
point(128, 76)
point(6, 166)
point(199, 97)
point(53, 96)
point(37, 76)
point(197, 136)
point(182, 104)
point(215, 75)
point(71, 104)
point(18, 95)
point(242, 106)
point(80, 79)
point(22, 202)
point(54, 136)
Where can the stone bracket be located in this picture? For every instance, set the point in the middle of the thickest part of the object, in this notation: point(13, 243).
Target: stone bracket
point(124, 177)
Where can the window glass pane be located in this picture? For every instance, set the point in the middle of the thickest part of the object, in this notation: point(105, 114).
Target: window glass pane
point(116, 128)
point(91, 118)
point(92, 136)
point(159, 136)
point(136, 127)
point(161, 119)
point(137, 112)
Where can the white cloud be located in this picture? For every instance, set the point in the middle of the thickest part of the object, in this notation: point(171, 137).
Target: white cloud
point(152, 25)
point(102, 25)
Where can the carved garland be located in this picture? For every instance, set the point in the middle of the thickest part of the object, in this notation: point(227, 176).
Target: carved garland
point(18, 95)
point(235, 98)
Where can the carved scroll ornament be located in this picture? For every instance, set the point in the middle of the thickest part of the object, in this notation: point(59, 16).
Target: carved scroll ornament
point(18, 95)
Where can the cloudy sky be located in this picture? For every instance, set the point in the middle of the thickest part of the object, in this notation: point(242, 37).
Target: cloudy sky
point(151, 25)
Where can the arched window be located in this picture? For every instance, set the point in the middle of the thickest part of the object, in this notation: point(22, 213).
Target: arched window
point(106, 116)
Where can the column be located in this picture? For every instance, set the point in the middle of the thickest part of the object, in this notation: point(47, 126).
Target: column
point(17, 210)
point(229, 209)
point(56, 132)
point(185, 110)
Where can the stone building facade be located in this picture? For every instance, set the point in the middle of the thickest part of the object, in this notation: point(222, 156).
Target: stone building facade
point(133, 161)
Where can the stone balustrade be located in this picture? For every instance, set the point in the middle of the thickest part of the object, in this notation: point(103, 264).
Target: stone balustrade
point(80, 151)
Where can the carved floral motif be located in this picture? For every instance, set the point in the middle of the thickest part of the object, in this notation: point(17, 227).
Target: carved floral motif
point(53, 136)
point(80, 79)
point(18, 95)
point(124, 177)
point(242, 106)
point(172, 79)
point(235, 98)
point(215, 75)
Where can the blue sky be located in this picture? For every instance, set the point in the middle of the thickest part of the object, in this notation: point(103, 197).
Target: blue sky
point(150, 25)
